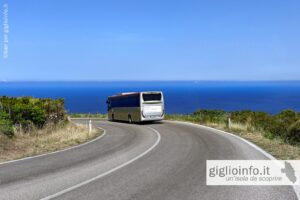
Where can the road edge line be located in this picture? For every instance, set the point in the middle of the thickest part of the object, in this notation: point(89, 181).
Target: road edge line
point(261, 150)
point(58, 151)
point(107, 172)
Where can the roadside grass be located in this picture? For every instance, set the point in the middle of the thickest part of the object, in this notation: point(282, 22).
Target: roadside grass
point(39, 141)
point(274, 145)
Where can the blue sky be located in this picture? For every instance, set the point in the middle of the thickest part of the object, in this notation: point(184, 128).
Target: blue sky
point(152, 40)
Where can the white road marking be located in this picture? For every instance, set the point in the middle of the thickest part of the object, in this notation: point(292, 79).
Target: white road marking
point(54, 152)
point(296, 188)
point(107, 172)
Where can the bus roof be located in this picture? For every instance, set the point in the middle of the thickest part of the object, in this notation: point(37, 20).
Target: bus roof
point(131, 93)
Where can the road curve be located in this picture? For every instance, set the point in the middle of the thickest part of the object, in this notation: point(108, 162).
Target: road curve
point(152, 161)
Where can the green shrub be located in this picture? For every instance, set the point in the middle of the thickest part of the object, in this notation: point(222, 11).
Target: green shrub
point(283, 121)
point(6, 125)
point(6, 128)
point(293, 134)
point(38, 116)
point(28, 112)
point(287, 116)
point(242, 117)
point(211, 116)
point(4, 115)
point(269, 135)
point(261, 120)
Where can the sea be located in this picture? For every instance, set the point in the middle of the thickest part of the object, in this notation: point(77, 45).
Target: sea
point(181, 97)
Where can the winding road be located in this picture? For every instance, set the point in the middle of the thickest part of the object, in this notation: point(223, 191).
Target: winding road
point(159, 161)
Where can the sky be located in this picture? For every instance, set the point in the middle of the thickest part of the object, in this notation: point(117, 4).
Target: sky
point(95, 40)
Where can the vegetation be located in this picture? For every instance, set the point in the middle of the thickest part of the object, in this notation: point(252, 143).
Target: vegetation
point(31, 126)
point(24, 114)
point(88, 115)
point(279, 134)
point(284, 125)
point(48, 139)
point(293, 133)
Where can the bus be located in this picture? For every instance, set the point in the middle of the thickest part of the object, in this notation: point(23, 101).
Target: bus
point(136, 106)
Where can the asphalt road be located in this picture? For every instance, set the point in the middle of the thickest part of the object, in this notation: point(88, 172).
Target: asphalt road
point(158, 161)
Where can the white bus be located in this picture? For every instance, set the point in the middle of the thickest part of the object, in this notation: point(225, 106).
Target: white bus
point(136, 106)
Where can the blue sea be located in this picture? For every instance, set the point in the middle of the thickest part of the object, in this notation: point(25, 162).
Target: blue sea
point(180, 96)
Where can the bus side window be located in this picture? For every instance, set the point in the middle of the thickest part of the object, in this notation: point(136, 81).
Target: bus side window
point(108, 102)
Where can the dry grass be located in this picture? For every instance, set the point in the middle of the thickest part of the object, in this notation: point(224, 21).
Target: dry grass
point(275, 147)
point(49, 139)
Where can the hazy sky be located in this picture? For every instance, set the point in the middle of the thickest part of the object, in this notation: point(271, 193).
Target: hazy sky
point(152, 40)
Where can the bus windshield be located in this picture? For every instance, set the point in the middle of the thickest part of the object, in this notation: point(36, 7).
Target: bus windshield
point(152, 97)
